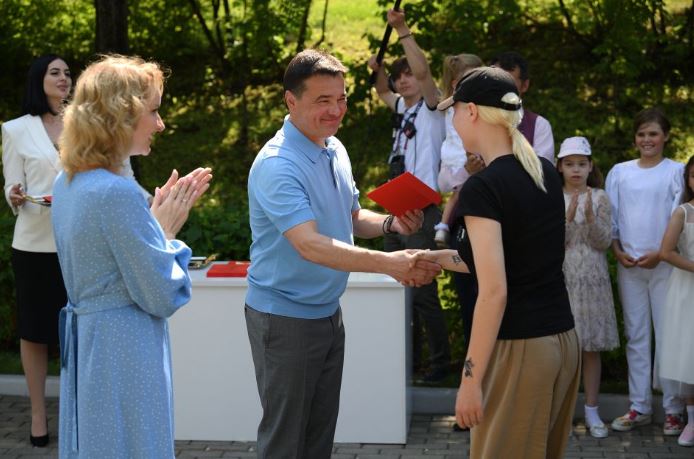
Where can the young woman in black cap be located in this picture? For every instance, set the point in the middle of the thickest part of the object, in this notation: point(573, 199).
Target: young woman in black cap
point(521, 373)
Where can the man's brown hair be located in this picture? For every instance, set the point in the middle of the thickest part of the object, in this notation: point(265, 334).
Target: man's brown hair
point(308, 63)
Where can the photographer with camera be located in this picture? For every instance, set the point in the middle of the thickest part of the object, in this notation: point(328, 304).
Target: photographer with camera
point(418, 133)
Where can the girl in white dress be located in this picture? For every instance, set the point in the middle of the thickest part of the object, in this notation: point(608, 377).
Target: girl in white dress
point(677, 341)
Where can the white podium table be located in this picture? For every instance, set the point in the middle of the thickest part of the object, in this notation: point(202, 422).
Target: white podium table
point(215, 393)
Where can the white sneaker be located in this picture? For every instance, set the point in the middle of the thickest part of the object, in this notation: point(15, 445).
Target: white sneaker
point(630, 420)
point(687, 437)
point(597, 430)
point(673, 424)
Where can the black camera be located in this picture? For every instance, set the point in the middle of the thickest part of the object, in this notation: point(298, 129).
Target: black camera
point(409, 129)
point(396, 166)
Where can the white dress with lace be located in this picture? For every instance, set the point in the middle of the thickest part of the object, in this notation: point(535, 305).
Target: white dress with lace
point(676, 347)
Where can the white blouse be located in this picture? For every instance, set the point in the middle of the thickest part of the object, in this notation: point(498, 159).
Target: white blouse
point(642, 201)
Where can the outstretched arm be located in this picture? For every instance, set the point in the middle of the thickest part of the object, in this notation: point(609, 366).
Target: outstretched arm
point(415, 58)
point(384, 93)
point(448, 259)
point(403, 266)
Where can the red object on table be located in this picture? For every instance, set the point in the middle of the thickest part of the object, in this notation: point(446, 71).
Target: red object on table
point(405, 192)
point(230, 269)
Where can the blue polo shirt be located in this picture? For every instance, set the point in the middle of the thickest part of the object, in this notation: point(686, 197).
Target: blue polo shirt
point(293, 181)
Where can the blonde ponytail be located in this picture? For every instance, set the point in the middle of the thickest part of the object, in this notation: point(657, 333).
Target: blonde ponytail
point(524, 152)
point(521, 147)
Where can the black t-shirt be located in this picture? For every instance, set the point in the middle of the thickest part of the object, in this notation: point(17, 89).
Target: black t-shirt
point(533, 226)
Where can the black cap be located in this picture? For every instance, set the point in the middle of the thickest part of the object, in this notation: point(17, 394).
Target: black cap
point(484, 86)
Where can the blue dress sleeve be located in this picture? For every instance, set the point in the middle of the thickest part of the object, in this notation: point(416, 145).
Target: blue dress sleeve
point(154, 270)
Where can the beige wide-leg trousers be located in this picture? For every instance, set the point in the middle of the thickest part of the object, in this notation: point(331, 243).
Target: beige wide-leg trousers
point(530, 393)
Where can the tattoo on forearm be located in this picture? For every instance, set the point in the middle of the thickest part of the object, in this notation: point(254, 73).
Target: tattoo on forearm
point(467, 367)
point(456, 259)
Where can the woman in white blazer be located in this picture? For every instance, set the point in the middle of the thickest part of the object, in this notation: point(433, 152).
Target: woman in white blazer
point(30, 165)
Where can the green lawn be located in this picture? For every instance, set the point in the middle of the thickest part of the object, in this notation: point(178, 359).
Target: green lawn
point(348, 22)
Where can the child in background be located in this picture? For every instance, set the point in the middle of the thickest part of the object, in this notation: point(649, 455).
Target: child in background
point(585, 267)
point(453, 158)
point(643, 193)
point(677, 341)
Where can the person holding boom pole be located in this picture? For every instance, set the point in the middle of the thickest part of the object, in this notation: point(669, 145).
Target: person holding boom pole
point(419, 134)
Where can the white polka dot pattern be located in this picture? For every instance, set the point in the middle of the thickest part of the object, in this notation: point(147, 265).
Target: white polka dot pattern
point(114, 256)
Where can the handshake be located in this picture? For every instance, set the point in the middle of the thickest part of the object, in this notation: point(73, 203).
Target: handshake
point(414, 268)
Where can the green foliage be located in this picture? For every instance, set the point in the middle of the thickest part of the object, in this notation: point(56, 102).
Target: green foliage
point(164, 30)
point(32, 28)
point(593, 66)
point(7, 294)
point(224, 230)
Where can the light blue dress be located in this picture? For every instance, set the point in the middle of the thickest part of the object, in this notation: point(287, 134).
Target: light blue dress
point(123, 279)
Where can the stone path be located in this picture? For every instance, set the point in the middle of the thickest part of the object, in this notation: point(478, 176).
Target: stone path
point(431, 437)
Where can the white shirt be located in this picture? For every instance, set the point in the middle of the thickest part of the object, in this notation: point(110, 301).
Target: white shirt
point(453, 157)
point(423, 151)
point(543, 139)
point(30, 159)
point(642, 201)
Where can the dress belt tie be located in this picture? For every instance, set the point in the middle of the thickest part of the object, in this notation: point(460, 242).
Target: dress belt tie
point(67, 332)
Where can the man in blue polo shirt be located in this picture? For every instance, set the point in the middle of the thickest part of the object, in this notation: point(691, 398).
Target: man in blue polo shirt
point(304, 211)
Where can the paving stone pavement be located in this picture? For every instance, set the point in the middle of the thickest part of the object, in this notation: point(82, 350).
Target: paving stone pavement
point(431, 437)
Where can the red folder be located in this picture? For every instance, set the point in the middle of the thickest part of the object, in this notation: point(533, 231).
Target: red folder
point(405, 192)
point(230, 269)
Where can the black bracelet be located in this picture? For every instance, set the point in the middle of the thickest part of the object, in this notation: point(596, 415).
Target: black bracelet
point(387, 224)
point(409, 34)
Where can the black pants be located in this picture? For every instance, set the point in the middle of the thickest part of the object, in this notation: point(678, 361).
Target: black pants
point(298, 368)
point(425, 300)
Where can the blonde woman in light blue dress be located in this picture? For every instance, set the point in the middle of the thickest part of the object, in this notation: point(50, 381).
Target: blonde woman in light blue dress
point(125, 273)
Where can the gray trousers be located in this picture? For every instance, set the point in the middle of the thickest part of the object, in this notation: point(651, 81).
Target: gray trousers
point(298, 368)
point(426, 304)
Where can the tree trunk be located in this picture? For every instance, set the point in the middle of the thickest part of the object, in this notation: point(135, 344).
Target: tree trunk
point(112, 37)
point(245, 76)
point(301, 40)
point(111, 26)
point(323, 25)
